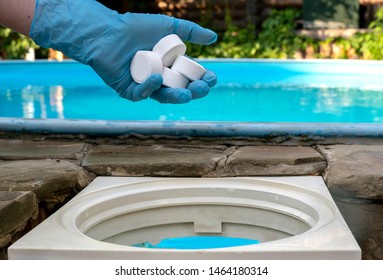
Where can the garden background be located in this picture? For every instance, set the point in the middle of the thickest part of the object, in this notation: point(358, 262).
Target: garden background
point(348, 29)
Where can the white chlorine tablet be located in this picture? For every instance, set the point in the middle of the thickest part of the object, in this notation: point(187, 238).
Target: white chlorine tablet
point(188, 68)
point(173, 79)
point(169, 48)
point(144, 64)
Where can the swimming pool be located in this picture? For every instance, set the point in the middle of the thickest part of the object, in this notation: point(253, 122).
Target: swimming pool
point(261, 95)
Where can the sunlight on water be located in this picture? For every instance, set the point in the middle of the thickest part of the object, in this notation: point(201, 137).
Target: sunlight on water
point(224, 103)
point(246, 92)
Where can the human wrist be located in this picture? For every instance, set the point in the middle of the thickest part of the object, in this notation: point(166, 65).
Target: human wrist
point(17, 14)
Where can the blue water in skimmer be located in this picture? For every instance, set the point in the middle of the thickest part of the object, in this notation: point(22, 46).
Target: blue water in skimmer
point(248, 91)
point(198, 242)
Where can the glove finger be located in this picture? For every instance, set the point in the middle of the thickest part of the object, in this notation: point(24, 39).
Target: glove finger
point(194, 33)
point(137, 92)
point(210, 78)
point(172, 95)
point(198, 89)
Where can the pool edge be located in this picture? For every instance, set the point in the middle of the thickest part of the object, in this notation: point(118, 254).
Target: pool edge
point(183, 128)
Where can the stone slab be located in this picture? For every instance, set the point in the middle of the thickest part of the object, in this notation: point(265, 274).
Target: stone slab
point(154, 160)
point(365, 220)
point(16, 208)
point(27, 149)
point(275, 161)
point(46, 178)
point(354, 170)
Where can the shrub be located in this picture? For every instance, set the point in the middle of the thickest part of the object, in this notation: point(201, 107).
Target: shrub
point(14, 45)
point(278, 39)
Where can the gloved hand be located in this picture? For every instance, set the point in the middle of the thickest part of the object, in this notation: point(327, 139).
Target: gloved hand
point(92, 34)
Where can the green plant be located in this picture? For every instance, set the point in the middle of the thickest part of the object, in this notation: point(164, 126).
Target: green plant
point(277, 38)
point(234, 42)
point(14, 45)
point(371, 43)
point(237, 42)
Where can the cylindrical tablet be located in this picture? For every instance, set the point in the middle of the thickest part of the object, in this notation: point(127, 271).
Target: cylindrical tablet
point(188, 68)
point(144, 64)
point(169, 48)
point(173, 79)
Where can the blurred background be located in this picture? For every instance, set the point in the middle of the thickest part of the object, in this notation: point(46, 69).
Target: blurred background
point(349, 29)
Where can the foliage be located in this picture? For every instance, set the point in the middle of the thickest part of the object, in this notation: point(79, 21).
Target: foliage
point(362, 45)
point(236, 42)
point(277, 39)
point(14, 45)
point(277, 35)
point(370, 44)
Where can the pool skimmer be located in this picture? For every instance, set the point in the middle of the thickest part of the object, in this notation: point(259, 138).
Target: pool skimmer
point(291, 217)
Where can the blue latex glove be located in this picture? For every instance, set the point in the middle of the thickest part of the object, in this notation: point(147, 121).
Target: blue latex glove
point(92, 34)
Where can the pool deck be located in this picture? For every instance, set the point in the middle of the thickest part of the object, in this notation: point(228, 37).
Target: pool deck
point(40, 172)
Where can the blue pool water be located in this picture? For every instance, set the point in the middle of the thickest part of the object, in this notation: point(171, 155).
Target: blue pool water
point(198, 242)
point(248, 91)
